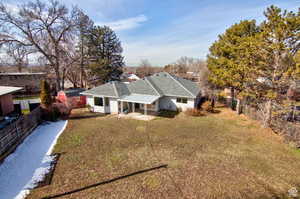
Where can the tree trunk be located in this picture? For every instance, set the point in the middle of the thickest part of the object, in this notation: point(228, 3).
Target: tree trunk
point(268, 113)
point(19, 67)
point(213, 102)
point(232, 97)
point(58, 85)
point(63, 79)
point(81, 63)
point(239, 106)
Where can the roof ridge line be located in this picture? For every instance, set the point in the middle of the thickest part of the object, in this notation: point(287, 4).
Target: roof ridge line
point(115, 89)
point(181, 85)
point(146, 78)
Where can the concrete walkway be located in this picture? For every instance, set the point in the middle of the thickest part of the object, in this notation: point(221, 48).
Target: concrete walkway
point(137, 116)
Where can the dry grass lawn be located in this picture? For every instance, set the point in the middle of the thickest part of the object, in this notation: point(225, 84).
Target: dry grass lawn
point(216, 156)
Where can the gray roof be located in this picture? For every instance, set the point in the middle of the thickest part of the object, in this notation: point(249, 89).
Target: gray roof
point(73, 92)
point(139, 98)
point(160, 84)
point(121, 88)
point(107, 89)
point(191, 86)
point(141, 87)
point(169, 86)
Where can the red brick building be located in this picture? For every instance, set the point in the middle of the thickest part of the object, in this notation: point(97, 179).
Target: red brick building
point(6, 99)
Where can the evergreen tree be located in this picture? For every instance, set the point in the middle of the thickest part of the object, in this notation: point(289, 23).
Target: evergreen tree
point(279, 44)
point(260, 62)
point(105, 54)
point(45, 95)
point(230, 59)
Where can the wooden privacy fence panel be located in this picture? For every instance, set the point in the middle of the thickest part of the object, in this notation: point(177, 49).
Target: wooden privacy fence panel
point(19, 130)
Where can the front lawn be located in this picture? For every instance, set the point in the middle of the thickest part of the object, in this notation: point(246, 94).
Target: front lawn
point(216, 156)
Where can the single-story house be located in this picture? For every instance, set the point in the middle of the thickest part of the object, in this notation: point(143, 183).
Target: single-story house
point(72, 97)
point(161, 91)
point(6, 99)
point(29, 81)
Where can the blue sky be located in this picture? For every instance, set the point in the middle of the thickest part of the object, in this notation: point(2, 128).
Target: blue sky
point(164, 30)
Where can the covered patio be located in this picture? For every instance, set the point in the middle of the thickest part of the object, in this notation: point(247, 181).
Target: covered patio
point(138, 103)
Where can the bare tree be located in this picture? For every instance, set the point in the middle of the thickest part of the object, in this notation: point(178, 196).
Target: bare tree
point(145, 63)
point(144, 68)
point(182, 64)
point(73, 75)
point(43, 26)
point(17, 55)
point(84, 26)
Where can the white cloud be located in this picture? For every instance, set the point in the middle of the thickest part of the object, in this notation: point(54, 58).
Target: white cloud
point(125, 24)
point(160, 53)
point(12, 8)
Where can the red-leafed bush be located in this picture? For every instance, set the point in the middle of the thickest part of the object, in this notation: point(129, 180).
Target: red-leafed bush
point(55, 111)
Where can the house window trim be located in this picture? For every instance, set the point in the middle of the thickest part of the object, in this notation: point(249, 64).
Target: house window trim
point(100, 102)
point(182, 100)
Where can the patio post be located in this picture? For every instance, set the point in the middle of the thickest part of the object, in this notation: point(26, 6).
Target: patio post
point(145, 109)
point(133, 107)
point(121, 106)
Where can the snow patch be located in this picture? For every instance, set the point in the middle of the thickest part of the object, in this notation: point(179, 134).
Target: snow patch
point(27, 166)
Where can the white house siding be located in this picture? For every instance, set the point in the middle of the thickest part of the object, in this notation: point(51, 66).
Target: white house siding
point(25, 103)
point(90, 100)
point(152, 108)
point(169, 103)
point(100, 109)
point(113, 103)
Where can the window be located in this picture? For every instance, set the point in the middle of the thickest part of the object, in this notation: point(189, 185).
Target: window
point(98, 101)
point(106, 100)
point(181, 100)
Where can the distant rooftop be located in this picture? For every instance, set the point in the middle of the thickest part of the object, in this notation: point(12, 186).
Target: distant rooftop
point(73, 92)
point(22, 73)
point(4, 90)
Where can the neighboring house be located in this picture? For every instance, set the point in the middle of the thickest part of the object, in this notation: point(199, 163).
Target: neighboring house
point(23, 104)
point(161, 91)
point(29, 81)
point(72, 97)
point(129, 77)
point(6, 99)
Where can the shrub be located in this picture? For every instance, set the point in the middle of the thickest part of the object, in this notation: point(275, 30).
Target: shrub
point(178, 109)
point(206, 106)
point(45, 95)
point(194, 112)
point(61, 110)
point(55, 112)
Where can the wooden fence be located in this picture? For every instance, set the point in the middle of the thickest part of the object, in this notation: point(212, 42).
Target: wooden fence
point(289, 130)
point(13, 134)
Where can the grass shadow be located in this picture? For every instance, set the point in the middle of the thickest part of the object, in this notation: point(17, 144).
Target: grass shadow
point(167, 113)
point(215, 111)
point(106, 182)
point(86, 116)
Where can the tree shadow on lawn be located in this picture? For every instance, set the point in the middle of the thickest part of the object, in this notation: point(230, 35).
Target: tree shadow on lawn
point(214, 111)
point(167, 113)
point(106, 182)
point(92, 115)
